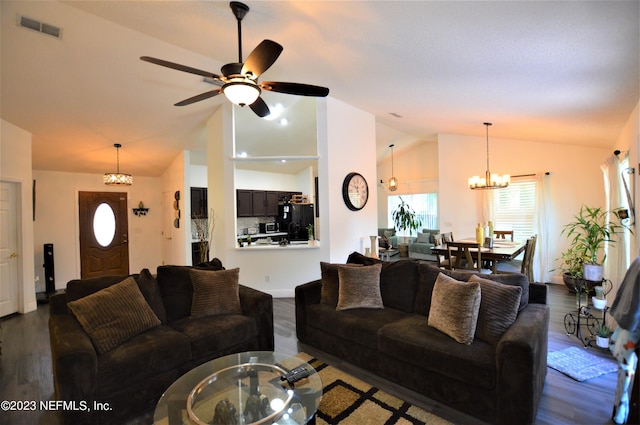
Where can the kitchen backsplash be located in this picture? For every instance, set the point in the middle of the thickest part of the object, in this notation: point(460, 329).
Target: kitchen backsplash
point(251, 222)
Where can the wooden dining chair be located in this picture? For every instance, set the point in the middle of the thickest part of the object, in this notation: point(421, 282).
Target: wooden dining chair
point(502, 234)
point(444, 261)
point(527, 261)
point(463, 254)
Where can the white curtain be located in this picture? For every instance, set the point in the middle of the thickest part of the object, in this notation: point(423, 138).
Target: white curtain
point(541, 219)
point(617, 253)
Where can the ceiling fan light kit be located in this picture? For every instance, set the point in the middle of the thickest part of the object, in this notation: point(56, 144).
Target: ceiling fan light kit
point(489, 181)
point(239, 80)
point(117, 178)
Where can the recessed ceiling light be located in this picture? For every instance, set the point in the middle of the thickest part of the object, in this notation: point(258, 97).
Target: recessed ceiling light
point(242, 154)
point(283, 160)
point(284, 121)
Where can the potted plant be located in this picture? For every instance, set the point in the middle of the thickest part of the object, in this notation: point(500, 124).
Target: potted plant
point(603, 332)
point(587, 236)
point(404, 218)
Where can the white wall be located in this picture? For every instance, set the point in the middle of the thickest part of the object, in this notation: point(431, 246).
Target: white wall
point(57, 221)
point(415, 168)
point(262, 180)
point(15, 167)
point(278, 271)
point(575, 179)
point(176, 246)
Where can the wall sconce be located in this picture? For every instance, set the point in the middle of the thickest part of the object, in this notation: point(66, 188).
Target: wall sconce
point(141, 210)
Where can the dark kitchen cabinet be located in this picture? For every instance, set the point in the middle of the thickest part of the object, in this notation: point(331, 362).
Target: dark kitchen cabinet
point(199, 202)
point(265, 203)
point(244, 200)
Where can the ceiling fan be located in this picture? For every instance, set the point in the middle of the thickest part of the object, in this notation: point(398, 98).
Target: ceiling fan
point(239, 80)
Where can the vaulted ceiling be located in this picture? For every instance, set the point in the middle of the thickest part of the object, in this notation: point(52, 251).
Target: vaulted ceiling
point(549, 71)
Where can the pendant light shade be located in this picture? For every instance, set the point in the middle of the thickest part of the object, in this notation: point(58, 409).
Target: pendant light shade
point(489, 181)
point(393, 182)
point(117, 178)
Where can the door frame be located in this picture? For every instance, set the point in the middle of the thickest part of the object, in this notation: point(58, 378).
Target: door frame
point(77, 218)
point(15, 209)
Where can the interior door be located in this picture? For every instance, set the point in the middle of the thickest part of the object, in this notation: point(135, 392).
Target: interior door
point(8, 248)
point(104, 244)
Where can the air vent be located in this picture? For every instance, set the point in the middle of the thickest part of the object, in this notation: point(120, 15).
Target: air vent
point(32, 24)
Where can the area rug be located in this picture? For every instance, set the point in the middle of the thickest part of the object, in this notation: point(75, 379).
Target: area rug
point(347, 400)
point(579, 364)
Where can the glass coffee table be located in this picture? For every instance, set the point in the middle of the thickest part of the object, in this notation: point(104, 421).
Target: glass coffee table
point(243, 388)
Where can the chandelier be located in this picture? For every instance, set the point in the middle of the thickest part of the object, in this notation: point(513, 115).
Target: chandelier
point(393, 182)
point(117, 178)
point(489, 181)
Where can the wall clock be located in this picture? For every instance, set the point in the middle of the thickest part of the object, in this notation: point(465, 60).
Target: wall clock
point(355, 191)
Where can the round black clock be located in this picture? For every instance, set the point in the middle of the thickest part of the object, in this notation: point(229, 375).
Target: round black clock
point(355, 191)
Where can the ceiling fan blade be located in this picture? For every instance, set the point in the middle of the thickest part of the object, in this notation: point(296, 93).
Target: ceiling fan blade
point(261, 58)
point(179, 67)
point(260, 108)
point(295, 88)
point(198, 98)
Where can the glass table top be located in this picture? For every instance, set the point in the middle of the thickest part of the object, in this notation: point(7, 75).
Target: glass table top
point(243, 388)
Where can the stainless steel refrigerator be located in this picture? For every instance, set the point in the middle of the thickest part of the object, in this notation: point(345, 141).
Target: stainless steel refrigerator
point(295, 219)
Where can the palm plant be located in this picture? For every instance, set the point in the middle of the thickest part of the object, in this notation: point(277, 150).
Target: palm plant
point(589, 233)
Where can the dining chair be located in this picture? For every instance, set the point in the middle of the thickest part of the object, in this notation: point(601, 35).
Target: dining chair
point(527, 261)
point(447, 237)
point(502, 234)
point(444, 261)
point(462, 252)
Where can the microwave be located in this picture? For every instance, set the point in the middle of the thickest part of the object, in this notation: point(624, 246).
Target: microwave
point(268, 227)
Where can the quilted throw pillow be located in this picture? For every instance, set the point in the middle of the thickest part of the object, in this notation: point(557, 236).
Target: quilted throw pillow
point(498, 308)
point(423, 238)
point(113, 315)
point(215, 292)
point(454, 308)
point(359, 287)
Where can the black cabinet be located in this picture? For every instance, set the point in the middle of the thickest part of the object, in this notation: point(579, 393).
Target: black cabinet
point(257, 203)
point(199, 202)
point(244, 201)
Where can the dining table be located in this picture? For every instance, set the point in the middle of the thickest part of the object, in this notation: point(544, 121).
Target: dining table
point(502, 250)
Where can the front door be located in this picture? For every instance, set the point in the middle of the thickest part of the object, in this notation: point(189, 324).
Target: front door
point(104, 248)
point(8, 248)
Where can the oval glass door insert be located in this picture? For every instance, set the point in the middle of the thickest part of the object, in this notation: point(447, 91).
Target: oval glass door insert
point(104, 224)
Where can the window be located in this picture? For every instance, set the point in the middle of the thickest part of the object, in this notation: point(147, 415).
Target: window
point(513, 208)
point(424, 204)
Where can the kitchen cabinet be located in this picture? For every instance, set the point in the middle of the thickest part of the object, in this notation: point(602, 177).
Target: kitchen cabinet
point(265, 203)
point(199, 202)
point(261, 203)
point(244, 200)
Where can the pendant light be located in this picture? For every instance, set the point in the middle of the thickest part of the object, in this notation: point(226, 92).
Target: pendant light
point(393, 182)
point(117, 178)
point(489, 181)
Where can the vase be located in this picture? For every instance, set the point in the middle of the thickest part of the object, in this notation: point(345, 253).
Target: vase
point(602, 342)
point(374, 246)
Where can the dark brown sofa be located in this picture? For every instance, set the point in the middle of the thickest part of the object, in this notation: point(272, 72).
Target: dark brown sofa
point(132, 377)
point(500, 384)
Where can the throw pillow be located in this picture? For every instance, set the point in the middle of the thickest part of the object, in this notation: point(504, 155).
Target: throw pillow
point(151, 292)
point(215, 292)
point(359, 287)
point(498, 308)
point(389, 233)
point(383, 242)
point(423, 237)
point(454, 308)
point(113, 315)
point(330, 282)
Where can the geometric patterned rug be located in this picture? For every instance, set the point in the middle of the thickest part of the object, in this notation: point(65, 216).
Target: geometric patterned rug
point(347, 400)
point(580, 365)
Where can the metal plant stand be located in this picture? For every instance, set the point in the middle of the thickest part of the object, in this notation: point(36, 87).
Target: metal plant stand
point(575, 320)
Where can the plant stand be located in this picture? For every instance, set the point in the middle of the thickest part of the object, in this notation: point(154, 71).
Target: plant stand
point(575, 320)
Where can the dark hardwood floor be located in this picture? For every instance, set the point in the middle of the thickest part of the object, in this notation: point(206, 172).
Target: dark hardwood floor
point(25, 370)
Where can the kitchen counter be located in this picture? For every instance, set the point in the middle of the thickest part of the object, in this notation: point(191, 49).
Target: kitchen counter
point(263, 235)
point(275, 245)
